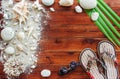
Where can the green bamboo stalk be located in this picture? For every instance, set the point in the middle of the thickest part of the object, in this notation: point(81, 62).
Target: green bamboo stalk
point(110, 10)
point(99, 25)
point(108, 31)
point(109, 15)
point(107, 21)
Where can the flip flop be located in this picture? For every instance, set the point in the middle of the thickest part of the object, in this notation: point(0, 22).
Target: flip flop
point(88, 60)
point(107, 54)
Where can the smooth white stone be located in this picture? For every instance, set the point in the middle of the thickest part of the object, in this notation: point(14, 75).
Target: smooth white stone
point(78, 9)
point(88, 4)
point(45, 73)
point(94, 16)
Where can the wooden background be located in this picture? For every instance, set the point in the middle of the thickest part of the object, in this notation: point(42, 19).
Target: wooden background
point(63, 38)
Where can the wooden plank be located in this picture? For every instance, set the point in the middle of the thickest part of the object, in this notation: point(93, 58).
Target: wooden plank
point(63, 38)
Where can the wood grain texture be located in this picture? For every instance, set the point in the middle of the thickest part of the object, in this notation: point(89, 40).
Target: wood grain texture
point(63, 38)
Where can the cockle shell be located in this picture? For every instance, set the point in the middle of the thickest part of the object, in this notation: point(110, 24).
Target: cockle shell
point(88, 4)
point(7, 34)
point(21, 35)
point(9, 50)
point(66, 2)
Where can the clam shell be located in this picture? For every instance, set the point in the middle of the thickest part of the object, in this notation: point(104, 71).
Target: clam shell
point(9, 50)
point(7, 33)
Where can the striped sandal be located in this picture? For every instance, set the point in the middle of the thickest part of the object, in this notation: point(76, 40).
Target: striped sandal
point(107, 54)
point(88, 61)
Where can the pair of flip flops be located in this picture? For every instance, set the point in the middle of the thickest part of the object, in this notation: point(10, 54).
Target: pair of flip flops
point(107, 60)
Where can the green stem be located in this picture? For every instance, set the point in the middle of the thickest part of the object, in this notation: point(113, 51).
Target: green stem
point(107, 21)
point(101, 28)
point(108, 30)
point(109, 15)
point(109, 9)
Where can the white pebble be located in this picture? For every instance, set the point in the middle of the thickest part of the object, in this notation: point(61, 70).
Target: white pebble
point(66, 2)
point(52, 9)
point(21, 35)
point(9, 50)
point(88, 4)
point(7, 34)
point(45, 73)
point(78, 9)
point(48, 2)
point(94, 16)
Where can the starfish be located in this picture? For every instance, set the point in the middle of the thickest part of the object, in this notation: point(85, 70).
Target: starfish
point(21, 12)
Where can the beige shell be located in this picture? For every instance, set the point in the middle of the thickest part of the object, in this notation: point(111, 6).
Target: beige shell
point(9, 50)
point(66, 2)
point(21, 35)
point(7, 33)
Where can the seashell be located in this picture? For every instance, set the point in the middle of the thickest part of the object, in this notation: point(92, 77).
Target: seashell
point(88, 4)
point(20, 47)
point(9, 50)
point(7, 34)
point(52, 9)
point(45, 73)
point(94, 16)
point(66, 2)
point(48, 2)
point(78, 9)
point(21, 35)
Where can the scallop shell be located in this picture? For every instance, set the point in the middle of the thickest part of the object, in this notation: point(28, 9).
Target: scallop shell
point(7, 33)
point(21, 35)
point(9, 50)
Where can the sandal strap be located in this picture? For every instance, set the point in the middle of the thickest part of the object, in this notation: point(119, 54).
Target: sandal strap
point(98, 60)
point(113, 57)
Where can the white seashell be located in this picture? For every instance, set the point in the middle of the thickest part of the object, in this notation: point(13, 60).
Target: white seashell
point(9, 50)
point(88, 4)
point(48, 2)
point(78, 9)
point(52, 9)
point(94, 16)
point(66, 2)
point(45, 73)
point(7, 34)
point(21, 35)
